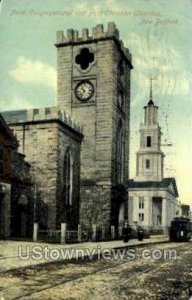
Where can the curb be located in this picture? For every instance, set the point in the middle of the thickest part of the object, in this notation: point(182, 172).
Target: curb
point(85, 259)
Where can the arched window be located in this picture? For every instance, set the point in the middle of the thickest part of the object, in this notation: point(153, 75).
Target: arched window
point(120, 152)
point(68, 177)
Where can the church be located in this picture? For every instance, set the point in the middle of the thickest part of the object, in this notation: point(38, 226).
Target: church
point(152, 198)
point(79, 150)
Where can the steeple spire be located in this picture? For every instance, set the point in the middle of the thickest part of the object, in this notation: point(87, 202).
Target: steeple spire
point(151, 93)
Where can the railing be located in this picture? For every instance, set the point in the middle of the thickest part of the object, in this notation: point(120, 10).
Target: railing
point(76, 236)
point(53, 236)
point(97, 233)
point(71, 236)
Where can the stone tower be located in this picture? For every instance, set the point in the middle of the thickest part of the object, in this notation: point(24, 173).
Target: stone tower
point(149, 164)
point(94, 89)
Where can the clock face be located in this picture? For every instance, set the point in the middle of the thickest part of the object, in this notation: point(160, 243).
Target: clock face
point(84, 90)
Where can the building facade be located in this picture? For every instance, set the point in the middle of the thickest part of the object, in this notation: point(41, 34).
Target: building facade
point(152, 198)
point(81, 173)
point(185, 211)
point(94, 89)
point(8, 144)
point(51, 143)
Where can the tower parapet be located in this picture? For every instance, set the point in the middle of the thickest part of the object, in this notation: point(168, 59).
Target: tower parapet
point(98, 33)
point(50, 113)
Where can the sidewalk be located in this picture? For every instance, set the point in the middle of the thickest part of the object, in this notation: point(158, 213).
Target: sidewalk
point(33, 253)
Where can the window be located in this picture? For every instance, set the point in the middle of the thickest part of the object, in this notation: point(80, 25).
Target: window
point(120, 153)
point(84, 58)
point(141, 217)
point(68, 178)
point(1, 160)
point(141, 202)
point(47, 111)
point(147, 164)
point(148, 141)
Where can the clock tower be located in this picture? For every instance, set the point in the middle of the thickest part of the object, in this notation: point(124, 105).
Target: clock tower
point(94, 89)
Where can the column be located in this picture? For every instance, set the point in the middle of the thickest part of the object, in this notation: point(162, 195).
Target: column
point(150, 211)
point(164, 212)
point(63, 232)
point(135, 206)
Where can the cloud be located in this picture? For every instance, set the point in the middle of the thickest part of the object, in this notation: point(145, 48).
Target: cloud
point(100, 5)
point(163, 62)
point(100, 10)
point(16, 103)
point(34, 72)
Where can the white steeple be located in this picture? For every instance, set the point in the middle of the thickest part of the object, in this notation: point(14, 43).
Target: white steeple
point(149, 165)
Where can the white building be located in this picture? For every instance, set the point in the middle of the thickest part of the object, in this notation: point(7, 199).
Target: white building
point(152, 198)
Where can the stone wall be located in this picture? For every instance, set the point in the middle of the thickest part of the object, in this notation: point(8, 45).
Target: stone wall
point(39, 142)
point(68, 141)
point(99, 116)
point(44, 142)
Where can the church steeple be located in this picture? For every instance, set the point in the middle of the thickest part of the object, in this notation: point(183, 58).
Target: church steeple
point(151, 108)
point(150, 157)
point(151, 94)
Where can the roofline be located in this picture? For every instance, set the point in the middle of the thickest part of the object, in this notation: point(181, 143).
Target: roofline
point(54, 120)
point(113, 38)
point(146, 106)
point(152, 189)
point(171, 180)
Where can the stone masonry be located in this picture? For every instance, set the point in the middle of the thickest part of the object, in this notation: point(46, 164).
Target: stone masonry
point(100, 116)
point(100, 65)
point(44, 137)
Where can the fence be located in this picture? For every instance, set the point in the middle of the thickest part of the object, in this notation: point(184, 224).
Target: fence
point(95, 235)
point(76, 236)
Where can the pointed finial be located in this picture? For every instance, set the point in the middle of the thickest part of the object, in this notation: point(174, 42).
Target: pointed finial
point(151, 89)
point(151, 92)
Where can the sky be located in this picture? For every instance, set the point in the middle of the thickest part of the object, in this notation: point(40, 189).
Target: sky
point(158, 33)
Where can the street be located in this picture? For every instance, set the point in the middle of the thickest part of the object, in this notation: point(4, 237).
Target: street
point(138, 277)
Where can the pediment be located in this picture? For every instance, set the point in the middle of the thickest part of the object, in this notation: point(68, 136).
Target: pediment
point(172, 189)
